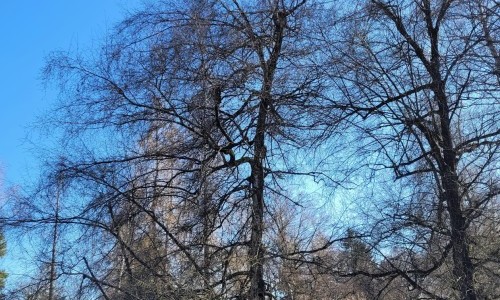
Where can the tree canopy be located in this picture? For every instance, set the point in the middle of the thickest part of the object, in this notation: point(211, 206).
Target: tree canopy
point(281, 149)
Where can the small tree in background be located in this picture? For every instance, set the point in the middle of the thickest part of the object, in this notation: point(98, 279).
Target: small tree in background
point(3, 250)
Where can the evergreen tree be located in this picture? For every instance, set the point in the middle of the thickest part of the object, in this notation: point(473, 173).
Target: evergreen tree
point(3, 275)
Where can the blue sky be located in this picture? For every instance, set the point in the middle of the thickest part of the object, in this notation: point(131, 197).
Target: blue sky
point(29, 31)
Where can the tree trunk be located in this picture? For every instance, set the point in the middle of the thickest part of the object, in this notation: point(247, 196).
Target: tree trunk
point(53, 255)
point(256, 251)
point(463, 268)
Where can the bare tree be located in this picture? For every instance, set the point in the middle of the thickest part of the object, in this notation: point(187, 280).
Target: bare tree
point(185, 136)
point(180, 132)
point(417, 79)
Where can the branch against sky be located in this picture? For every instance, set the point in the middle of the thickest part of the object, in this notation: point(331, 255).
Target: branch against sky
point(178, 135)
point(192, 135)
point(417, 80)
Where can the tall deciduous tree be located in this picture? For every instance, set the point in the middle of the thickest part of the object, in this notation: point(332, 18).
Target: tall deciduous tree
point(419, 79)
point(198, 104)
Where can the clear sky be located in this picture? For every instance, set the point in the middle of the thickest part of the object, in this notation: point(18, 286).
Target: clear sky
point(29, 31)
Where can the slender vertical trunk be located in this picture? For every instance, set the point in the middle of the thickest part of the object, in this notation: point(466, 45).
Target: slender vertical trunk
point(54, 247)
point(206, 214)
point(256, 251)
